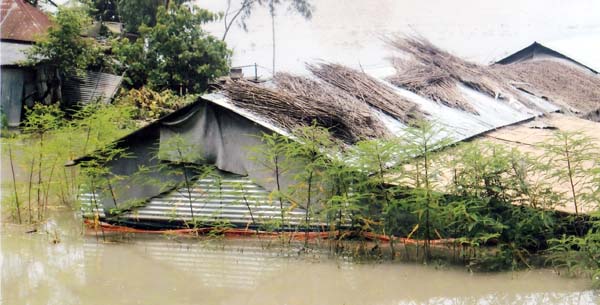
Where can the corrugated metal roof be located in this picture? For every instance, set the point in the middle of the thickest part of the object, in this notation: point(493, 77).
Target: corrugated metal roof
point(459, 125)
point(12, 53)
point(91, 86)
point(232, 198)
point(21, 21)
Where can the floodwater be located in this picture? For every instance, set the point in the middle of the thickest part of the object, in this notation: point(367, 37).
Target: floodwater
point(350, 32)
point(60, 265)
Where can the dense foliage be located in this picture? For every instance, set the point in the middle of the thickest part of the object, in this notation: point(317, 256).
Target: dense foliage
point(135, 13)
point(491, 207)
point(64, 47)
point(48, 141)
point(175, 53)
point(149, 105)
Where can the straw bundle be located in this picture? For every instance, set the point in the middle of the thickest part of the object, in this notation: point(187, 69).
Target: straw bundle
point(434, 73)
point(360, 118)
point(292, 110)
point(368, 90)
point(560, 83)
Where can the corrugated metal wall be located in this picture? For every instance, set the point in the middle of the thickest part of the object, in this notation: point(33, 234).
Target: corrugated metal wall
point(13, 83)
point(228, 198)
point(89, 87)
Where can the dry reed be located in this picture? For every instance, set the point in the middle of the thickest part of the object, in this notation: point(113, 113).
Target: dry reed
point(292, 110)
point(435, 74)
point(368, 90)
point(567, 86)
point(359, 116)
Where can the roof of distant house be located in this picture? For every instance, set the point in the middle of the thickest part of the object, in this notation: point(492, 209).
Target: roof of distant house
point(582, 52)
point(20, 21)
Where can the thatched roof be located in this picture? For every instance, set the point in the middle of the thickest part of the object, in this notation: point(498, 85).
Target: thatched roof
point(361, 121)
point(565, 85)
point(339, 98)
point(350, 102)
point(435, 74)
point(290, 108)
point(369, 90)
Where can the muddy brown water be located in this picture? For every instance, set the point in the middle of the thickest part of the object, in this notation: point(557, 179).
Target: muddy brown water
point(81, 269)
point(60, 265)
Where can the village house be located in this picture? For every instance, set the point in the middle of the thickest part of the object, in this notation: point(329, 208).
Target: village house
point(558, 74)
point(470, 101)
point(22, 85)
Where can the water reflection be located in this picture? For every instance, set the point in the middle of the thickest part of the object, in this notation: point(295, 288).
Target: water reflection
point(163, 270)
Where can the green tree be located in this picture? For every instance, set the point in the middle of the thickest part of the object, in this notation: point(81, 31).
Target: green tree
point(570, 157)
point(271, 155)
point(64, 47)
point(310, 150)
point(134, 13)
point(176, 53)
point(375, 159)
point(423, 140)
point(106, 10)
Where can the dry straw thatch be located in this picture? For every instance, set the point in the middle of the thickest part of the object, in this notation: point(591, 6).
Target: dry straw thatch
point(364, 123)
point(368, 90)
point(434, 73)
point(562, 84)
point(291, 106)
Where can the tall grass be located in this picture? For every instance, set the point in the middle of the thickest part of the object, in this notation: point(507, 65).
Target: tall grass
point(494, 206)
point(49, 139)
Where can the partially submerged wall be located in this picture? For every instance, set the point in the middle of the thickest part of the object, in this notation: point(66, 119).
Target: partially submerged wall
point(224, 139)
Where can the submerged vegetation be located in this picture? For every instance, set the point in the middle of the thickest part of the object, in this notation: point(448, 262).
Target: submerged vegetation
point(479, 204)
point(47, 142)
point(485, 205)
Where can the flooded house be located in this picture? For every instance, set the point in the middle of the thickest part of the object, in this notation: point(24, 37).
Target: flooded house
point(469, 100)
point(563, 72)
point(21, 25)
point(22, 85)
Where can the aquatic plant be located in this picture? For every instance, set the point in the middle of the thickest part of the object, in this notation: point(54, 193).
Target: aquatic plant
point(578, 255)
point(310, 152)
point(569, 159)
point(271, 154)
point(47, 142)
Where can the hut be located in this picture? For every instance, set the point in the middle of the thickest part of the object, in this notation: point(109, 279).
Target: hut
point(538, 51)
point(468, 100)
point(21, 25)
point(564, 74)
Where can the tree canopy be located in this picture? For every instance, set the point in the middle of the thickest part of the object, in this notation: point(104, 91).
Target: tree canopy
point(134, 13)
point(175, 53)
point(64, 47)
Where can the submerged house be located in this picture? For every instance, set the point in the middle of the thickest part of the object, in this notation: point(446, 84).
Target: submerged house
point(562, 72)
point(468, 100)
point(21, 24)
